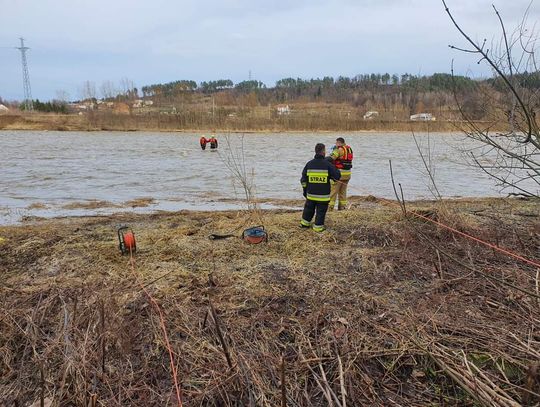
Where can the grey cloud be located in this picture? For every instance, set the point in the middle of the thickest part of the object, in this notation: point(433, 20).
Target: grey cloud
point(159, 40)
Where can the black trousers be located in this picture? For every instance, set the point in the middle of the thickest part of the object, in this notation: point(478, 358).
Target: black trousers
point(312, 207)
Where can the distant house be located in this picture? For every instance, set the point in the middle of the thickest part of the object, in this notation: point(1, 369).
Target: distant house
point(3, 109)
point(283, 109)
point(139, 103)
point(422, 117)
point(371, 115)
point(87, 105)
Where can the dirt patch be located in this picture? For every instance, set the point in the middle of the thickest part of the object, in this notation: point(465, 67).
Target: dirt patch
point(37, 205)
point(93, 204)
point(139, 202)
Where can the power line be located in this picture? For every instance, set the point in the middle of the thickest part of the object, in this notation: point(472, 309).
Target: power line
point(28, 104)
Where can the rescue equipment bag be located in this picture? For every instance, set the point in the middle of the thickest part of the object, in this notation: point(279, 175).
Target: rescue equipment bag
point(255, 235)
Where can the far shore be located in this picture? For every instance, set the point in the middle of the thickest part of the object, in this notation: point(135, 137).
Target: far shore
point(133, 123)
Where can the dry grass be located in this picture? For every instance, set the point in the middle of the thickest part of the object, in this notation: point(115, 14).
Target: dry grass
point(201, 121)
point(373, 312)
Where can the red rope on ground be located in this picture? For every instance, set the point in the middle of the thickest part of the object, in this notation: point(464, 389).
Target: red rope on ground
point(476, 239)
point(163, 329)
point(468, 236)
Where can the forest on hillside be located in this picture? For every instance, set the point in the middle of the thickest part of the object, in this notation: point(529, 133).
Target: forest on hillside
point(397, 95)
point(408, 93)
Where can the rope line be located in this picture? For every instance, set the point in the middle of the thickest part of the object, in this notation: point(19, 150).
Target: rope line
point(163, 328)
point(463, 234)
point(476, 239)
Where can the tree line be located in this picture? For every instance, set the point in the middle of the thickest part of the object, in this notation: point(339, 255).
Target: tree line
point(47, 107)
point(317, 86)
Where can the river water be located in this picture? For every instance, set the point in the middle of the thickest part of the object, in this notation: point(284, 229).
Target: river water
point(50, 174)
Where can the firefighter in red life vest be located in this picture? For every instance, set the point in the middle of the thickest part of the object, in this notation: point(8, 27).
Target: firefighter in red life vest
point(203, 142)
point(213, 142)
point(342, 157)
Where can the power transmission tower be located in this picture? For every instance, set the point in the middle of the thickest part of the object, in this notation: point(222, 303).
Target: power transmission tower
point(28, 104)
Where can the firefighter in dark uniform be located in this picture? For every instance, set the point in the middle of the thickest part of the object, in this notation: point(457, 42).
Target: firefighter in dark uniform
point(315, 180)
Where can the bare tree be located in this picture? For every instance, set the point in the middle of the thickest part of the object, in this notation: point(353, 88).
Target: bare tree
point(62, 96)
point(127, 88)
point(88, 90)
point(510, 138)
point(235, 161)
point(108, 90)
point(242, 176)
point(425, 151)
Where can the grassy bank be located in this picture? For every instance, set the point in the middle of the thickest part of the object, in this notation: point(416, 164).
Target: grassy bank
point(382, 309)
point(200, 123)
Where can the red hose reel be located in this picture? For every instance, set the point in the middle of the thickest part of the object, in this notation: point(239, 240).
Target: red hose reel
point(126, 240)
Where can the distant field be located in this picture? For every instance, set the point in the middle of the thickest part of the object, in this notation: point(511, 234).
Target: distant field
point(303, 120)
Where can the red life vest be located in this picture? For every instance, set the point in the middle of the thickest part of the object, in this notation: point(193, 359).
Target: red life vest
point(345, 162)
point(203, 141)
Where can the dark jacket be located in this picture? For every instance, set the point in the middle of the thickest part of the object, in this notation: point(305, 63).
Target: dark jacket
point(316, 178)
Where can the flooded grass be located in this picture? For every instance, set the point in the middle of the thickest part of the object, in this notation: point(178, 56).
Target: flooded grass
point(37, 205)
point(90, 205)
point(140, 202)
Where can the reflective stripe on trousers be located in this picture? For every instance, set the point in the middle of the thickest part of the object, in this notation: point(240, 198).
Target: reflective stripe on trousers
point(304, 222)
point(318, 209)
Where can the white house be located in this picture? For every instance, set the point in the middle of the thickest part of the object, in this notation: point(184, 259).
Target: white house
point(283, 109)
point(371, 115)
point(3, 109)
point(423, 117)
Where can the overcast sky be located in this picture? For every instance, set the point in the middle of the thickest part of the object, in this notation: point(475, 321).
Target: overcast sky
point(156, 41)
